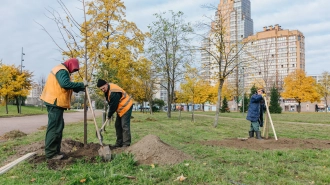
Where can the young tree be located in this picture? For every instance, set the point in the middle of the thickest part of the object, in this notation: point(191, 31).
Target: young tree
point(224, 107)
point(220, 48)
point(107, 43)
point(324, 87)
point(190, 87)
point(274, 106)
point(169, 49)
point(300, 87)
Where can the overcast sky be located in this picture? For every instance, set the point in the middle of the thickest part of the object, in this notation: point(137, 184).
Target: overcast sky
point(19, 28)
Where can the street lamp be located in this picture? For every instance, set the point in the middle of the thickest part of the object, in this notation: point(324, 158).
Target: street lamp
point(21, 98)
point(243, 92)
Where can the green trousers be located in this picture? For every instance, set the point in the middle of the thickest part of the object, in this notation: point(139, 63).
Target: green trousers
point(254, 126)
point(54, 131)
point(123, 128)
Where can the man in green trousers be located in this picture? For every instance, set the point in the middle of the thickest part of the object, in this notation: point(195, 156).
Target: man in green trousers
point(57, 97)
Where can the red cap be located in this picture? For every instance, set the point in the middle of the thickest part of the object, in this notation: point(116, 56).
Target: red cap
point(72, 64)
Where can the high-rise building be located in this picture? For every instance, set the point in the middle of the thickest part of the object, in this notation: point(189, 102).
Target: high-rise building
point(238, 25)
point(270, 55)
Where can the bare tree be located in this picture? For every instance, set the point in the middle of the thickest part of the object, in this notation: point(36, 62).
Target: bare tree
point(222, 51)
point(170, 50)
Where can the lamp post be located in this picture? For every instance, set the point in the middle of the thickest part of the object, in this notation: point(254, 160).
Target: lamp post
point(21, 98)
point(243, 92)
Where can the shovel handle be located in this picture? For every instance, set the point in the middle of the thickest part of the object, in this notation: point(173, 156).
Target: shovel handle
point(90, 104)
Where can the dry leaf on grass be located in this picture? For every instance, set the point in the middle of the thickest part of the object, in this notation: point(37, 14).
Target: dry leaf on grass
point(180, 178)
point(83, 180)
point(33, 179)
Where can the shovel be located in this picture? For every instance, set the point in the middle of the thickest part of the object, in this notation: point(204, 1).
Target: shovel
point(100, 131)
point(104, 151)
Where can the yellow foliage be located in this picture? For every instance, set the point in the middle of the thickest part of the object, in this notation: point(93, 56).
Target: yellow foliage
point(13, 83)
point(227, 91)
point(300, 87)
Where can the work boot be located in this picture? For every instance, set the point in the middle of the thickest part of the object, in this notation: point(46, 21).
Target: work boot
point(116, 145)
point(251, 134)
point(57, 157)
point(258, 134)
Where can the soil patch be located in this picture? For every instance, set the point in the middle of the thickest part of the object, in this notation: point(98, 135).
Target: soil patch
point(149, 150)
point(270, 144)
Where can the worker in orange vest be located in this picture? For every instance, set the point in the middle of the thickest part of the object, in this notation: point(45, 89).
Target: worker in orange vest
point(119, 101)
point(57, 97)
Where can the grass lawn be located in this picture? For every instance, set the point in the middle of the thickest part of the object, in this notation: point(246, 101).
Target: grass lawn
point(211, 164)
point(26, 110)
point(305, 117)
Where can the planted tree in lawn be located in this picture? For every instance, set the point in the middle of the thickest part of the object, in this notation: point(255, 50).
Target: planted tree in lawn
point(108, 44)
point(300, 87)
point(169, 49)
point(220, 48)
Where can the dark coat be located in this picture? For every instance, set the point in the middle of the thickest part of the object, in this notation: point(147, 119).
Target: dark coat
point(254, 108)
point(262, 110)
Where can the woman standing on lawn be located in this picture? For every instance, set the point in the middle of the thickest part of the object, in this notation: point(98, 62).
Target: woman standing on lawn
point(254, 113)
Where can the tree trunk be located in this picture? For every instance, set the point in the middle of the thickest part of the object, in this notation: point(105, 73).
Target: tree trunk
point(299, 107)
point(6, 101)
point(17, 104)
point(192, 114)
point(216, 118)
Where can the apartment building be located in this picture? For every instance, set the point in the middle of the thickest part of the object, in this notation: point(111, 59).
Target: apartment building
point(270, 55)
point(236, 15)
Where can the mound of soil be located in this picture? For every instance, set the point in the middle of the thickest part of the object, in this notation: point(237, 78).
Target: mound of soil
point(270, 144)
point(152, 150)
point(13, 134)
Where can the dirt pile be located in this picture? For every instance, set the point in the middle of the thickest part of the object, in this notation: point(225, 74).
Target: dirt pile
point(13, 134)
point(151, 150)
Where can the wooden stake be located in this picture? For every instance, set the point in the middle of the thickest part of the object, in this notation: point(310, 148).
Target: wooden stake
point(12, 164)
point(270, 118)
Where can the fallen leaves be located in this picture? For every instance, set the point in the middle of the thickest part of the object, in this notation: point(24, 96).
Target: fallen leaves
point(180, 178)
point(82, 180)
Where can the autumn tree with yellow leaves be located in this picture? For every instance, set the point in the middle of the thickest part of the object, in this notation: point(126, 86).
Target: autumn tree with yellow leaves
point(108, 44)
point(14, 84)
point(300, 87)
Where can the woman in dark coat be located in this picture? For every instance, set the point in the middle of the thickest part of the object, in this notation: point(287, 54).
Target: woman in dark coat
point(254, 113)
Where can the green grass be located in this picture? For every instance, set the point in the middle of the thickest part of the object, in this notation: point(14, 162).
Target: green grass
point(26, 111)
point(211, 165)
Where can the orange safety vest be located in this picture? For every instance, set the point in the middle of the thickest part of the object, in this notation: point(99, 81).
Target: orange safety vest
point(54, 92)
point(125, 102)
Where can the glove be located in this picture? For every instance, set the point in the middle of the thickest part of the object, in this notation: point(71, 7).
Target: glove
point(85, 82)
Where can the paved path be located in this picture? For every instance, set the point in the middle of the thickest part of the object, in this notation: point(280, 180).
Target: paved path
point(29, 124)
